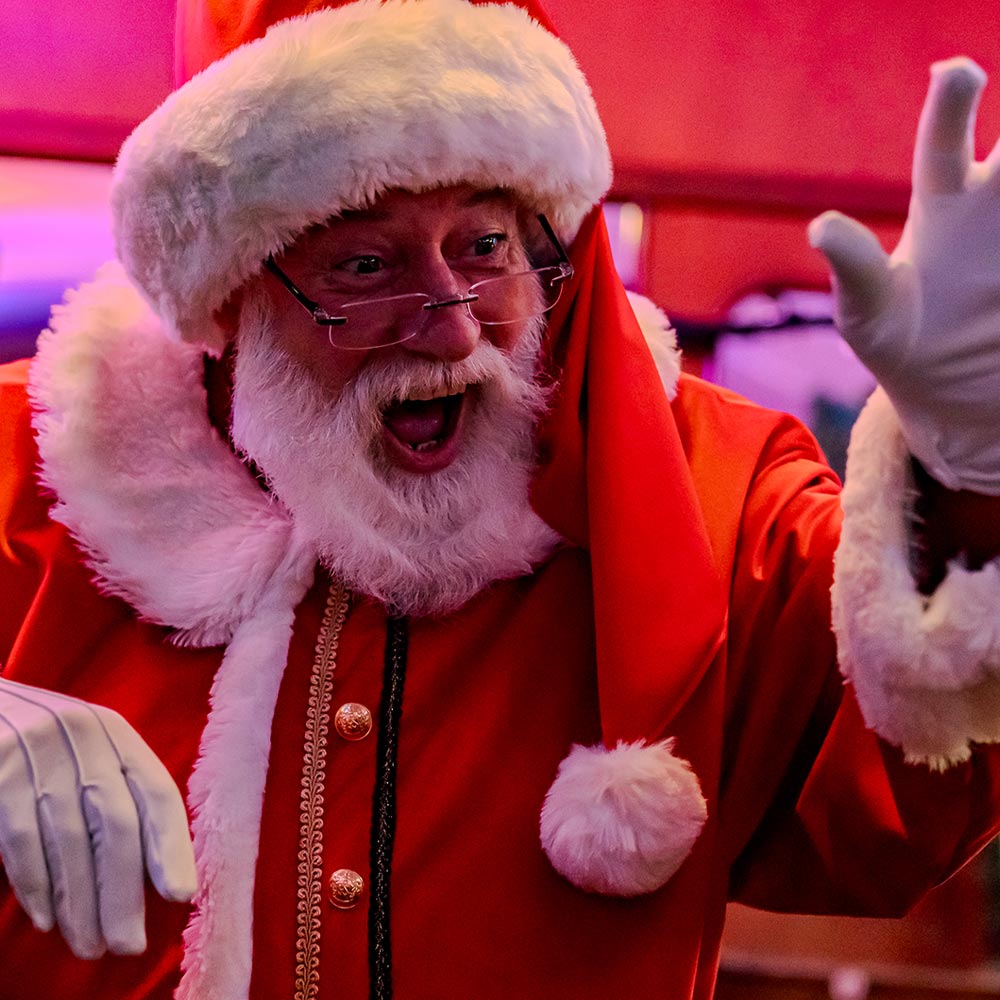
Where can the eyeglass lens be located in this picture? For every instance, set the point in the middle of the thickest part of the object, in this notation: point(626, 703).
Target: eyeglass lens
point(509, 298)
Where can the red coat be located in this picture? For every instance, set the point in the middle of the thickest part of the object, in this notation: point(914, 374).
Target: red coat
point(808, 810)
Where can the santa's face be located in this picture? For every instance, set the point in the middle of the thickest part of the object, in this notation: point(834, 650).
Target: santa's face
point(408, 465)
point(368, 265)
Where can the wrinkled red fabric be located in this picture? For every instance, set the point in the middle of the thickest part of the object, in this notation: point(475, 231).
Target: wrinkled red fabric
point(614, 478)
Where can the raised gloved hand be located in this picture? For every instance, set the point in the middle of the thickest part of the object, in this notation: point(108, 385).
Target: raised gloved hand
point(926, 320)
point(85, 805)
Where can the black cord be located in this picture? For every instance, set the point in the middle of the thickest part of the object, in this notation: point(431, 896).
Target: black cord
point(384, 810)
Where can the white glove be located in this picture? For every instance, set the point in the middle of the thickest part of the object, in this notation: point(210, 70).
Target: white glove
point(84, 803)
point(926, 320)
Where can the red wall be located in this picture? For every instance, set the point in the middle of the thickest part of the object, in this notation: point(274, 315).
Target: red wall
point(736, 121)
point(733, 121)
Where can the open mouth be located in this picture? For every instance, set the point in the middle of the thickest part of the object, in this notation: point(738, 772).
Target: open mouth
point(421, 433)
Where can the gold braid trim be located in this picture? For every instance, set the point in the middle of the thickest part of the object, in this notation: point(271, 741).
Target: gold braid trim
point(310, 867)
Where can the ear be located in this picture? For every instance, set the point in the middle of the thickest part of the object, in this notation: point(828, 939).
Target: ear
point(227, 316)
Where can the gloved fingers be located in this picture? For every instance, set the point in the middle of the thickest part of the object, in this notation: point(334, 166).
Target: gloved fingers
point(106, 806)
point(85, 813)
point(859, 264)
point(71, 867)
point(166, 839)
point(21, 850)
point(118, 870)
point(109, 753)
point(946, 134)
point(166, 835)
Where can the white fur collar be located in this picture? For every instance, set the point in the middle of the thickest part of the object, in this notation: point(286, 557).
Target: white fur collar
point(661, 338)
point(168, 518)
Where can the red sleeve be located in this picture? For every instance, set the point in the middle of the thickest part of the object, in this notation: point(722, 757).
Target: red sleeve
point(56, 631)
point(818, 814)
point(27, 536)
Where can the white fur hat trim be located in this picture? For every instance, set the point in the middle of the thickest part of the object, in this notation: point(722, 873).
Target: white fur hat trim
point(926, 670)
point(621, 822)
point(331, 109)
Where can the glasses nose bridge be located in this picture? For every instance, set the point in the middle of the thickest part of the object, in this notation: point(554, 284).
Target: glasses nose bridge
point(445, 286)
point(462, 302)
point(447, 329)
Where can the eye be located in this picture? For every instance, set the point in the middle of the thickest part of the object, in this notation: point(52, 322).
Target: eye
point(489, 244)
point(365, 264)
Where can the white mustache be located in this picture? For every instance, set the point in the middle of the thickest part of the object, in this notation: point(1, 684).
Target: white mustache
point(383, 384)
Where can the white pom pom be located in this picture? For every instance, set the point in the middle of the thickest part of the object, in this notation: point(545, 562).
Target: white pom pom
point(622, 821)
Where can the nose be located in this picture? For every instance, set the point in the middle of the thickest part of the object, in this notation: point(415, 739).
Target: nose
point(449, 333)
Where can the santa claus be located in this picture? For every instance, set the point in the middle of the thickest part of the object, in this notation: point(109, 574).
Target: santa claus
point(494, 654)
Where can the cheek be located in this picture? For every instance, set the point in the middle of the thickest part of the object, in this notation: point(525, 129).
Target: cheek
point(309, 345)
point(506, 336)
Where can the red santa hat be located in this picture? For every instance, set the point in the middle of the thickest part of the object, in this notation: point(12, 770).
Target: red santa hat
point(328, 111)
point(331, 108)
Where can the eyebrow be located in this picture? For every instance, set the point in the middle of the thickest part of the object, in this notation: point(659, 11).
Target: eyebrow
point(361, 214)
point(474, 198)
point(491, 194)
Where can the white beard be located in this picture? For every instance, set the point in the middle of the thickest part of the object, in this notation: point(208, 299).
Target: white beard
point(421, 544)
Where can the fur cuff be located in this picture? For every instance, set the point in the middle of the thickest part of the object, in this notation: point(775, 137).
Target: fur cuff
point(621, 822)
point(926, 670)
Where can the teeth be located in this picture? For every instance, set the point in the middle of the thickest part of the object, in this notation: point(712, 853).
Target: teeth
point(422, 395)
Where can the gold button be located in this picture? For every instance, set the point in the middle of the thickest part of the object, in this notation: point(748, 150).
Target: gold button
point(346, 887)
point(353, 721)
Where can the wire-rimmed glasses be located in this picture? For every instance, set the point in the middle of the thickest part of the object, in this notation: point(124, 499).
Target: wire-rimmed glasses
point(382, 322)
